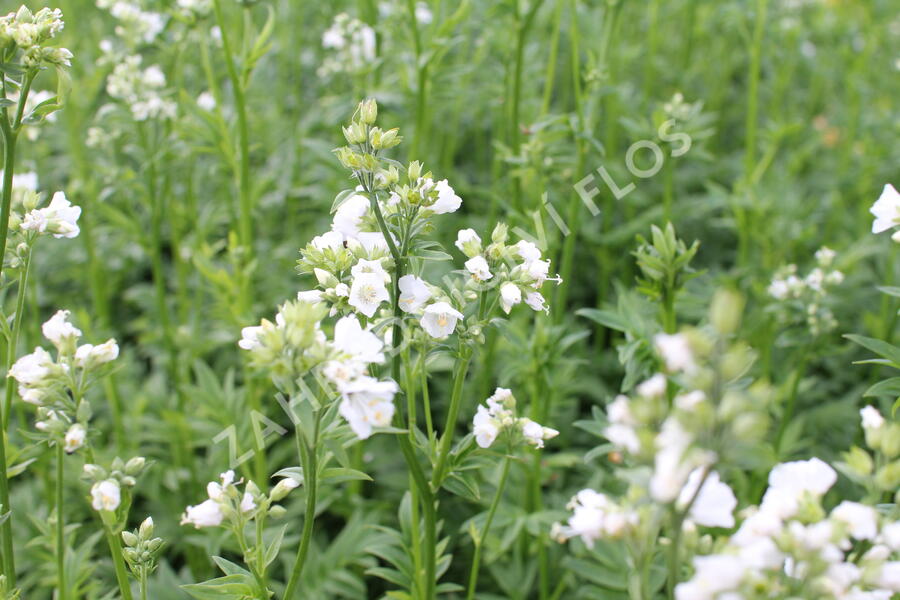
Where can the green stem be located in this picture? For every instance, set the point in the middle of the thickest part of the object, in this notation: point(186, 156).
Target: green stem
point(462, 367)
point(13, 345)
point(245, 203)
point(674, 554)
point(60, 525)
point(753, 88)
point(308, 460)
point(792, 395)
point(115, 549)
point(479, 541)
point(9, 161)
point(143, 583)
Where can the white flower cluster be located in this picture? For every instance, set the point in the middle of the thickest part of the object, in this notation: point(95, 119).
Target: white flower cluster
point(809, 293)
point(787, 544)
point(519, 268)
point(195, 7)
point(59, 218)
point(352, 44)
point(295, 344)
point(499, 416)
point(140, 89)
point(594, 516)
point(226, 502)
point(31, 32)
point(388, 9)
point(135, 25)
point(39, 376)
point(887, 211)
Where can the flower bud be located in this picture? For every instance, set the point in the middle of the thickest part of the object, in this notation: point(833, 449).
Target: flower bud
point(355, 133)
point(277, 511)
point(500, 233)
point(146, 529)
point(368, 111)
point(283, 488)
point(129, 538)
point(725, 311)
point(859, 461)
point(414, 171)
point(135, 465)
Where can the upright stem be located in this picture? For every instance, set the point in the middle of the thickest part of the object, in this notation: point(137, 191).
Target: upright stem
point(479, 541)
point(674, 554)
point(308, 460)
point(245, 205)
point(143, 584)
point(9, 161)
point(462, 367)
point(14, 340)
point(60, 525)
point(421, 82)
point(753, 88)
point(115, 549)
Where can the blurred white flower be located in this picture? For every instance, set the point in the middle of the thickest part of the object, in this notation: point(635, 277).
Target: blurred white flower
point(510, 295)
point(349, 214)
point(886, 209)
point(206, 101)
point(468, 242)
point(32, 369)
point(479, 269)
point(871, 418)
point(447, 200)
point(714, 504)
point(358, 343)
point(861, 519)
point(59, 331)
point(368, 403)
point(90, 355)
point(59, 218)
point(485, 427)
point(676, 352)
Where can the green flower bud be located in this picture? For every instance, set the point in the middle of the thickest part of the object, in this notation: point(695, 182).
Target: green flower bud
point(368, 111)
point(355, 133)
point(859, 461)
point(725, 311)
point(500, 233)
point(888, 477)
point(146, 529)
point(135, 465)
point(890, 440)
point(129, 538)
point(414, 171)
point(276, 511)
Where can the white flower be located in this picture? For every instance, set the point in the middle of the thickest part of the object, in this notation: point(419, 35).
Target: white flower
point(106, 495)
point(370, 266)
point(871, 418)
point(58, 330)
point(479, 269)
point(205, 514)
point(367, 292)
point(510, 295)
point(468, 242)
point(714, 504)
point(439, 320)
point(332, 240)
point(447, 201)
point(247, 502)
point(886, 209)
point(673, 462)
point(594, 516)
point(61, 217)
point(206, 101)
point(528, 251)
point(368, 403)
point(413, 293)
point(713, 575)
point(309, 296)
point(654, 387)
point(889, 577)
point(349, 215)
point(358, 343)
point(537, 302)
point(371, 241)
point(535, 433)
point(675, 351)
point(789, 481)
point(538, 270)
point(484, 427)
point(342, 372)
point(862, 519)
point(623, 436)
point(890, 534)
point(75, 437)
point(250, 337)
point(31, 369)
point(91, 355)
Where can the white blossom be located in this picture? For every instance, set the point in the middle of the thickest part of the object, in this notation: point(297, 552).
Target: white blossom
point(485, 427)
point(206, 514)
point(367, 292)
point(861, 519)
point(74, 438)
point(439, 320)
point(714, 504)
point(479, 269)
point(886, 209)
point(676, 352)
point(413, 293)
point(447, 200)
point(510, 295)
point(359, 344)
point(368, 403)
point(106, 495)
point(33, 368)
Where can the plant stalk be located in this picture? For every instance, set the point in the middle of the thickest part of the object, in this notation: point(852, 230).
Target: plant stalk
point(479, 542)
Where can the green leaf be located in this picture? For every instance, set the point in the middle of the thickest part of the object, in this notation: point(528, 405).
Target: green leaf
point(879, 347)
point(231, 587)
point(888, 387)
point(275, 546)
point(341, 474)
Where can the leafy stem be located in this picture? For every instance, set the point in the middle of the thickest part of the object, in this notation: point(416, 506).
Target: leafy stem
point(307, 449)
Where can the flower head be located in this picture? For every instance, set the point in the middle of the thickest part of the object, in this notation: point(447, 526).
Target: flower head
point(106, 495)
point(439, 320)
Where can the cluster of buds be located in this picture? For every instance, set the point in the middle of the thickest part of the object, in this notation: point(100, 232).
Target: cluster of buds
point(664, 261)
point(226, 503)
point(879, 469)
point(134, 24)
point(497, 417)
point(517, 271)
point(31, 33)
point(141, 549)
point(111, 488)
point(351, 44)
point(140, 89)
point(806, 297)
